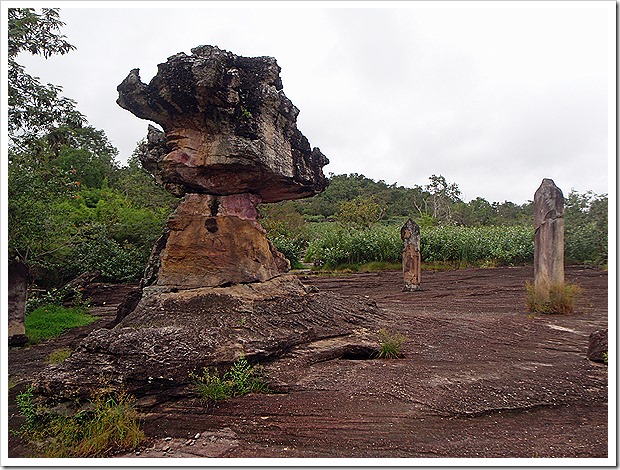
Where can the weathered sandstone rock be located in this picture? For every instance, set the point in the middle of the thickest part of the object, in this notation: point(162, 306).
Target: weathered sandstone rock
point(214, 289)
point(173, 333)
point(228, 127)
point(597, 346)
point(412, 261)
point(548, 237)
point(217, 240)
point(17, 289)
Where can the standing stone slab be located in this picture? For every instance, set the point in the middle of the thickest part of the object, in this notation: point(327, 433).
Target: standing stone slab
point(17, 288)
point(548, 237)
point(412, 261)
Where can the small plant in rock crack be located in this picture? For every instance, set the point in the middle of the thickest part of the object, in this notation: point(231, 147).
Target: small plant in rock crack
point(241, 379)
point(390, 345)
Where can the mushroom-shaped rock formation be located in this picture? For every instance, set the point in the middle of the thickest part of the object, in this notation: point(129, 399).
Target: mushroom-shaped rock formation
point(228, 127)
point(215, 288)
point(230, 141)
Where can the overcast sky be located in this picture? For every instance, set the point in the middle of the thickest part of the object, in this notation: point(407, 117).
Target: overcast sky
point(494, 96)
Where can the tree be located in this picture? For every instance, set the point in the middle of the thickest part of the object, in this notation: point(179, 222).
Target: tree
point(441, 197)
point(36, 113)
point(35, 109)
point(360, 211)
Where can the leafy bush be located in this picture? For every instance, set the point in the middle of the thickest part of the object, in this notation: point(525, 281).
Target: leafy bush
point(585, 244)
point(109, 423)
point(289, 247)
point(335, 244)
point(56, 297)
point(115, 262)
point(505, 245)
point(50, 321)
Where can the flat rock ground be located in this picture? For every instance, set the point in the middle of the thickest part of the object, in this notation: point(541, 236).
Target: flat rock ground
point(480, 377)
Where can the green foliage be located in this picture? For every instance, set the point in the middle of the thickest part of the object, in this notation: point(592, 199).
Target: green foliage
point(586, 228)
point(558, 299)
point(470, 245)
point(27, 408)
point(334, 244)
point(290, 248)
point(35, 109)
point(108, 424)
point(390, 345)
point(360, 211)
point(50, 321)
point(241, 379)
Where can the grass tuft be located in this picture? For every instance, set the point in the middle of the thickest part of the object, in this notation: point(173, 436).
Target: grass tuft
point(58, 355)
point(559, 299)
point(107, 425)
point(390, 345)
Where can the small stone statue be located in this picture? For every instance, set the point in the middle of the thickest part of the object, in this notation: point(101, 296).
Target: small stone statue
point(410, 234)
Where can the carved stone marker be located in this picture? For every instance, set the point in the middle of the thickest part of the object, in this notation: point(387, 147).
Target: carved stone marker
point(548, 237)
point(410, 234)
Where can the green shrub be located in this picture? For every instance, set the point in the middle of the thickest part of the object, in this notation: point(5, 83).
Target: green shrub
point(109, 423)
point(290, 248)
point(506, 245)
point(334, 244)
point(50, 321)
point(57, 297)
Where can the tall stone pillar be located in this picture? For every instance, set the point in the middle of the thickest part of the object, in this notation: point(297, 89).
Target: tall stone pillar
point(17, 292)
point(412, 261)
point(548, 237)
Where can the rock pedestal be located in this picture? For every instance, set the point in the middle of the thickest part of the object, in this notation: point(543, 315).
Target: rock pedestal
point(548, 237)
point(217, 240)
point(412, 262)
point(228, 127)
point(214, 288)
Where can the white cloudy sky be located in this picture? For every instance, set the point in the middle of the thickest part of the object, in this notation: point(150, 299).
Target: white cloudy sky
point(494, 96)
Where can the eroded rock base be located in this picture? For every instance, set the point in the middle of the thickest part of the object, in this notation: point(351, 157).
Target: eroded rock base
point(172, 333)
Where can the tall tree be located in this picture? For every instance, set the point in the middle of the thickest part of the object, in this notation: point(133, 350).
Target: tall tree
point(37, 119)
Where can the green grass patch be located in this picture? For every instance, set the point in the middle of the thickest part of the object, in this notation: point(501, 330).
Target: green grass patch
point(241, 379)
point(108, 424)
point(50, 321)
